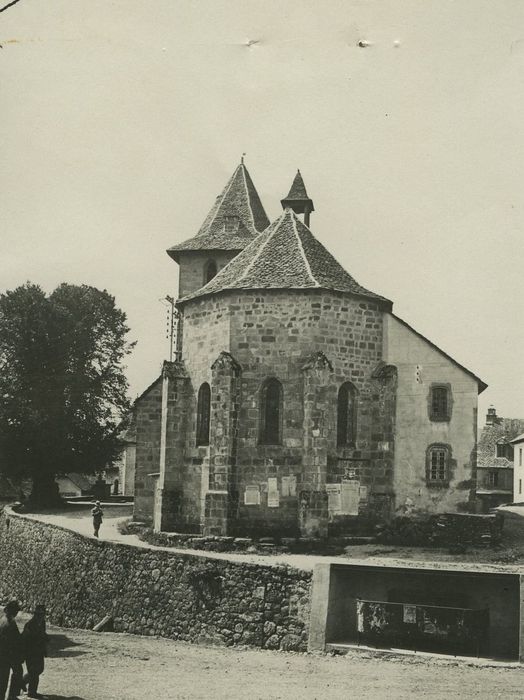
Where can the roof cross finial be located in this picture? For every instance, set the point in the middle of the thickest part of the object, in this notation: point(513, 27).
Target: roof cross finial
point(242, 159)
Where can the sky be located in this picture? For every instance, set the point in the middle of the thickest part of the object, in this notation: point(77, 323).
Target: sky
point(121, 121)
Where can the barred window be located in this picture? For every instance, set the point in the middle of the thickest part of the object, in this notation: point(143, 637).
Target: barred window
point(203, 414)
point(346, 415)
point(437, 468)
point(271, 404)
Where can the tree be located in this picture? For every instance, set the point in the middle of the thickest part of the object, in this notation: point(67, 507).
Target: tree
point(63, 391)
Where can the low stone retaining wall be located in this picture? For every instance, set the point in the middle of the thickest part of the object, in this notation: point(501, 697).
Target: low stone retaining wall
point(150, 591)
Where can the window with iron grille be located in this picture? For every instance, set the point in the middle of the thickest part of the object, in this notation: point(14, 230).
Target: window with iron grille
point(440, 403)
point(437, 465)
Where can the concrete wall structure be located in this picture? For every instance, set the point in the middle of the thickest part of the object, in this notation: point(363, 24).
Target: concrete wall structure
point(337, 588)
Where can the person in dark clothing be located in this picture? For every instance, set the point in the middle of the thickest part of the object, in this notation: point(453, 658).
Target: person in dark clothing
point(35, 640)
point(97, 514)
point(11, 654)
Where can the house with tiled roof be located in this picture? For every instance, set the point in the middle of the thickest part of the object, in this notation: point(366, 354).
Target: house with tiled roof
point(298, 404)
point(495, 460)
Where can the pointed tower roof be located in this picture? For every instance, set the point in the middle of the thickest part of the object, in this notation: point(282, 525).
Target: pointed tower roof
point(297, 197)
point(236, 217)
point(285, 256)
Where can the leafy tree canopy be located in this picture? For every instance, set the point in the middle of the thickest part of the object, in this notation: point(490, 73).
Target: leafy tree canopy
point(63, 392)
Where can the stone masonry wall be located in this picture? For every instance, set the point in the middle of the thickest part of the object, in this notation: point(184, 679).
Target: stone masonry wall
point(192, 268)
point(277, 333)
point(147, 462)
point(150, 591)
point(274, 334)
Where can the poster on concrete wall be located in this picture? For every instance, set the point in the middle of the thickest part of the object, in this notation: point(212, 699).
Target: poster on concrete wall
point(410, 614)
point(273, 495)
point(252, 495)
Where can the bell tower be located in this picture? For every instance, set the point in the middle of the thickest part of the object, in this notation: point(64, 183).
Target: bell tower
point(298, 199)
point(235, 219)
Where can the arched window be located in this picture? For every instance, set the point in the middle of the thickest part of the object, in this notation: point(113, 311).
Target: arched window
point(271, 400)
point(210, 271)
point(346, 415)
point(203, 414)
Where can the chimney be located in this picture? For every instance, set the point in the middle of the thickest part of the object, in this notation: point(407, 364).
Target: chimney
point(491, 416)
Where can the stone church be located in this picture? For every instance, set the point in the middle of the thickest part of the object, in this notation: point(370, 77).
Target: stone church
point(298, 403)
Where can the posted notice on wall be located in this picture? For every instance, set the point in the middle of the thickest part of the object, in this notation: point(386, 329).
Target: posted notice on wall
point(349, 497)
point(289, 486)
point(343, 498)
point(252, 495)
point(273, 494)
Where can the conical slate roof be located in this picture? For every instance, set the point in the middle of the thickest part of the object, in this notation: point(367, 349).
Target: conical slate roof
point(285, 256)
point(221, 230)
point(298, 188)
point(298, 198)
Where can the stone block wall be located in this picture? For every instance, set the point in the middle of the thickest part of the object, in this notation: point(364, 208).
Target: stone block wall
point(192, 266)
point(147, 461)
point(152, 592)
point(276, 334)
point(283, 334)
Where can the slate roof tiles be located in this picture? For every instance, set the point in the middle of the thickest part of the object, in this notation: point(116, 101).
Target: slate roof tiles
point(285, 256)
point(238, 199)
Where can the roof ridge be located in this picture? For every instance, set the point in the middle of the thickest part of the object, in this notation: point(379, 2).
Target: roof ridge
point(257, 254)
point(248, 195)
point(301, 247)
point(223, 196)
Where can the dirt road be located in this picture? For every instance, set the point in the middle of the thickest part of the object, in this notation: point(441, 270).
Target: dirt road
point(108, 666)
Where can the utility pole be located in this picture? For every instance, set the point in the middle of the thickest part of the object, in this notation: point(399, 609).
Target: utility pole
point(172, 321)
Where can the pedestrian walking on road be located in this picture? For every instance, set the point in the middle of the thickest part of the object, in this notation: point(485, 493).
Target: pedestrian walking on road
point(34, 642)
point(11, 654)
point(97, 514)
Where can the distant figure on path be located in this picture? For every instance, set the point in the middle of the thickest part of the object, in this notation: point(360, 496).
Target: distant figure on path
point(97, 514)
point(34, 641)
point(11, 654)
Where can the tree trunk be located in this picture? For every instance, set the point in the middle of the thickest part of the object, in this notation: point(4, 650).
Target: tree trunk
point(44, 493)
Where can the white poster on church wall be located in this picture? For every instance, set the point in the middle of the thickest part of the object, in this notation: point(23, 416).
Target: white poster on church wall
point(289, 486)
point(349, 497)
point(252, 495)
point(273, 495)
point(334, 501)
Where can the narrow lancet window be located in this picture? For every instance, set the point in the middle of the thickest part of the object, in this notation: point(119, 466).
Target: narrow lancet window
point(346, 415)
point(271, 412)
point(203, 415)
